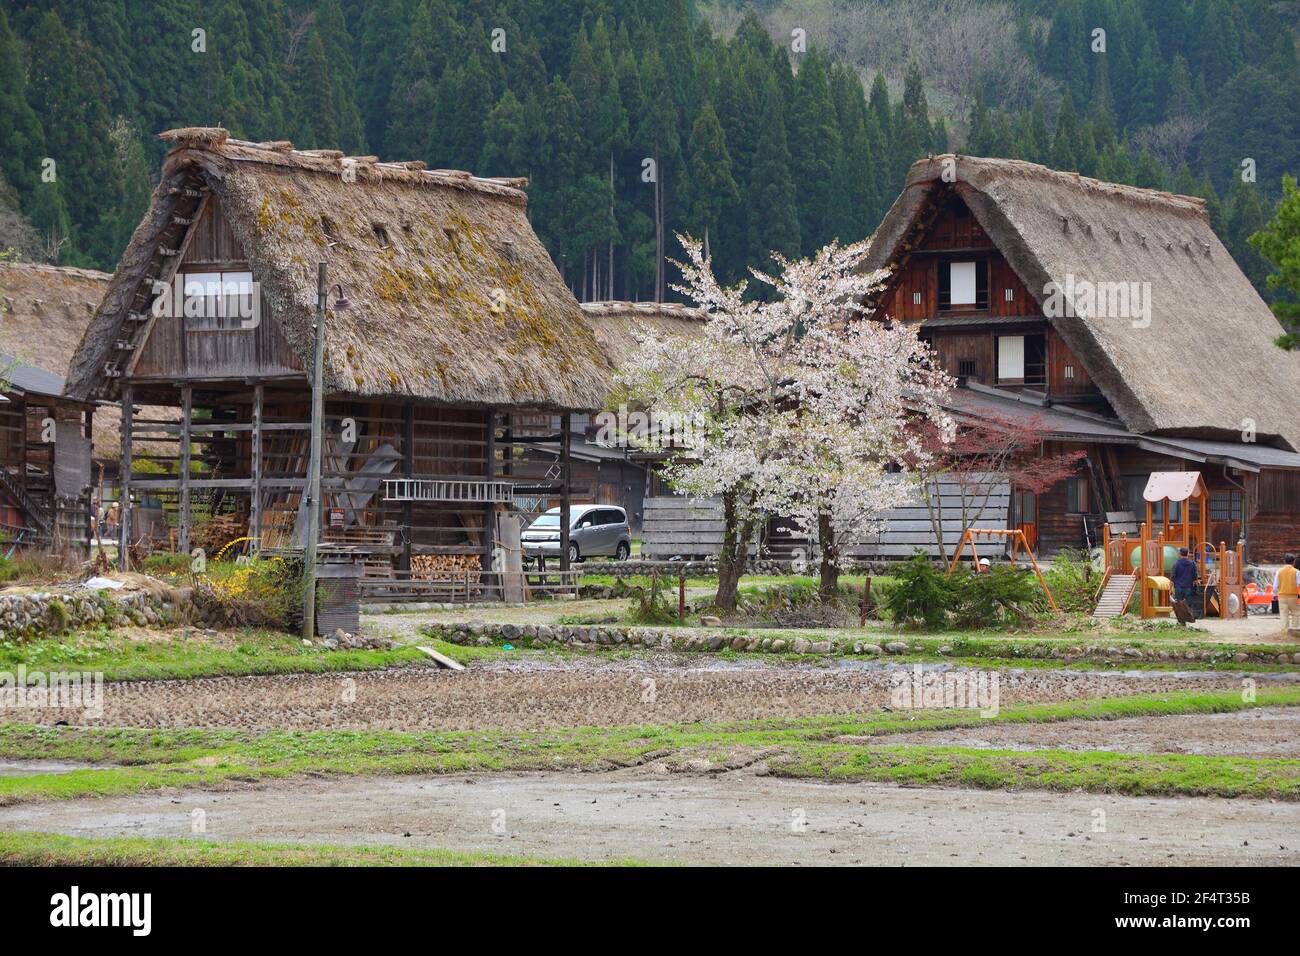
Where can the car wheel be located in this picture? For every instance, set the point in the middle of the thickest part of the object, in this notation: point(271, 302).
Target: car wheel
point(623, 551)
point(573, 554)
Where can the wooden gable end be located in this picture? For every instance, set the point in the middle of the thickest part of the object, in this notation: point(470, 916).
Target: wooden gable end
point(177, 347)
point(956, 234)
point(965, 337)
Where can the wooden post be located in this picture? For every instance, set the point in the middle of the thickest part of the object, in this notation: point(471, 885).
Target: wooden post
point(187, 410)
point(91, 525)
point(408, 471)
point(866, 602)
point(681, 595)
point(489, 508)
point(564, 492)
point(124, 483)
point(313, 466)
point(255, 461)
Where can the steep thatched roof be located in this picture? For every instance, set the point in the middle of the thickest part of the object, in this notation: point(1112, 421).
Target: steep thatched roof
point(620, 326)
point(454, 299)
point(44, 312)
point(1206, 365)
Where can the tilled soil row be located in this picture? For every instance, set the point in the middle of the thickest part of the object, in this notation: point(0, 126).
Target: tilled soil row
point(521, 698)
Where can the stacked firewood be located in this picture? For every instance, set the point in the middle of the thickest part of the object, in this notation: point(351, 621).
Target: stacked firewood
point(426, 567)
point(215, 533)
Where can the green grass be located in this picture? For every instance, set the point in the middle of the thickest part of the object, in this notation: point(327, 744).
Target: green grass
point(259, 652)
point(52, 849)
point(985, 649)
point(134, 760)
point(1092, 770)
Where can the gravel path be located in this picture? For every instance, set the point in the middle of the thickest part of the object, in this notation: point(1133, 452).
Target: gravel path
point(532, 695)
point(730, 819)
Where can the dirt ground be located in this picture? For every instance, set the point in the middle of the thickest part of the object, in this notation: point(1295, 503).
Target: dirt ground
point(729, 819)
point(534, 694)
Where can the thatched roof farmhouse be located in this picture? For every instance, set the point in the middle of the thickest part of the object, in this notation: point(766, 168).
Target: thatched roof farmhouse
point(447, 324)
point(1110, 317)
point(1205, 364)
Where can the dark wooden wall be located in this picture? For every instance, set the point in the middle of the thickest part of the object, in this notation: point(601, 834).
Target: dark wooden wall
point(1273, 511)
point(955, 230)
point(177, 349)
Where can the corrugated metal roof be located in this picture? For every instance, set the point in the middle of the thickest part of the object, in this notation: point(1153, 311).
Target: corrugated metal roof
point(29, 378)
point(1069, 424)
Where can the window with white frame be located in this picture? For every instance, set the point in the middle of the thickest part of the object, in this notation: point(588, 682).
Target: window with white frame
point(220, 301)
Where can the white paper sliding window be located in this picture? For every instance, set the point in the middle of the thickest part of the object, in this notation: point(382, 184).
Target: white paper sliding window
point(1011, 358)
point(961, 278)
point(219, 301)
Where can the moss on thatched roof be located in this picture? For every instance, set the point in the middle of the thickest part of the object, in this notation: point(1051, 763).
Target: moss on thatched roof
point(453, 297)
point(1205, 365)
point(620, 327)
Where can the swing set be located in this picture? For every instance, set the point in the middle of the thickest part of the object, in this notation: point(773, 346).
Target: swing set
point(1012, 537)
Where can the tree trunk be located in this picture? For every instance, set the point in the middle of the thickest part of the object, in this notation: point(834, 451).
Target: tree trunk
point(659, 228)
point(612, 221)
point(735, 552)
point(830, 566)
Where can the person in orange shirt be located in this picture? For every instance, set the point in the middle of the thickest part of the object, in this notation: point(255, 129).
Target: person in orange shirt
point(1287, 601)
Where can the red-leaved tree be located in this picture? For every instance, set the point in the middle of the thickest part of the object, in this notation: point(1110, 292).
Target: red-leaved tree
point(988, 453)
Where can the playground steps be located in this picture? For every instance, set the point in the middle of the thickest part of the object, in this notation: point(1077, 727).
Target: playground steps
point(1115, 598)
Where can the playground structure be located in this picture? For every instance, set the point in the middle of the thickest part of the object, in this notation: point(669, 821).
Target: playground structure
point(1015, 538)
point(1177, 508)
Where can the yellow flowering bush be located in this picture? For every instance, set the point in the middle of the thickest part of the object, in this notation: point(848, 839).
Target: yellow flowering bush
point(261, 592)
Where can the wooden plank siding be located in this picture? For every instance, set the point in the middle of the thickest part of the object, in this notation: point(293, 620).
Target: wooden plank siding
point(693, 527)
point(174, 349)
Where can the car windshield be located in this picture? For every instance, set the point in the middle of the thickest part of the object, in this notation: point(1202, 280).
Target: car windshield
point(546, 521)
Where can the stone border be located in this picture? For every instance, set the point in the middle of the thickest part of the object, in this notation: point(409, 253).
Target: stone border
point(39, 614)
point(581, 636)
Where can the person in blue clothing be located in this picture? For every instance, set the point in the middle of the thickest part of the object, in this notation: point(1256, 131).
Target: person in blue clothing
point(1183, 577)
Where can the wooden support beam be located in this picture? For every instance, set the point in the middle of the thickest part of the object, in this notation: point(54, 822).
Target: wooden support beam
point(124, 481)
point(187, 413)
point(489, 509)
point(565, 492)
point(408, 471)
point(255, 455)
point(87, 431)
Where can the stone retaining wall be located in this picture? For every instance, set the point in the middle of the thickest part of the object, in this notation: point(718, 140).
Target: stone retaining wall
point(705, 639)
point(38, 613)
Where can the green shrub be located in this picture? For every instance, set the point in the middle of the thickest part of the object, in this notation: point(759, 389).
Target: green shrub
point(266, 592)
point(1074, 581)
point(919, 595)
point(60, 617)
point(994, 597)
point(166, 563)
point(652, 605)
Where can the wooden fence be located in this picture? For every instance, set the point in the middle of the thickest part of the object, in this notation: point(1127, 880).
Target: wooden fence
point(693, 527)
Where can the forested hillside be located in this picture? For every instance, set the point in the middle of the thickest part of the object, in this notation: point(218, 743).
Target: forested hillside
point(763, 125)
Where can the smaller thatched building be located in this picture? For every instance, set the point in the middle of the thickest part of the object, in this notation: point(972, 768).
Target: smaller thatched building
point(46, 471)
point(446, 318)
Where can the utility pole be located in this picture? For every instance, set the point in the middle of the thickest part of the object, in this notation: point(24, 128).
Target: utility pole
point(313, 468)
